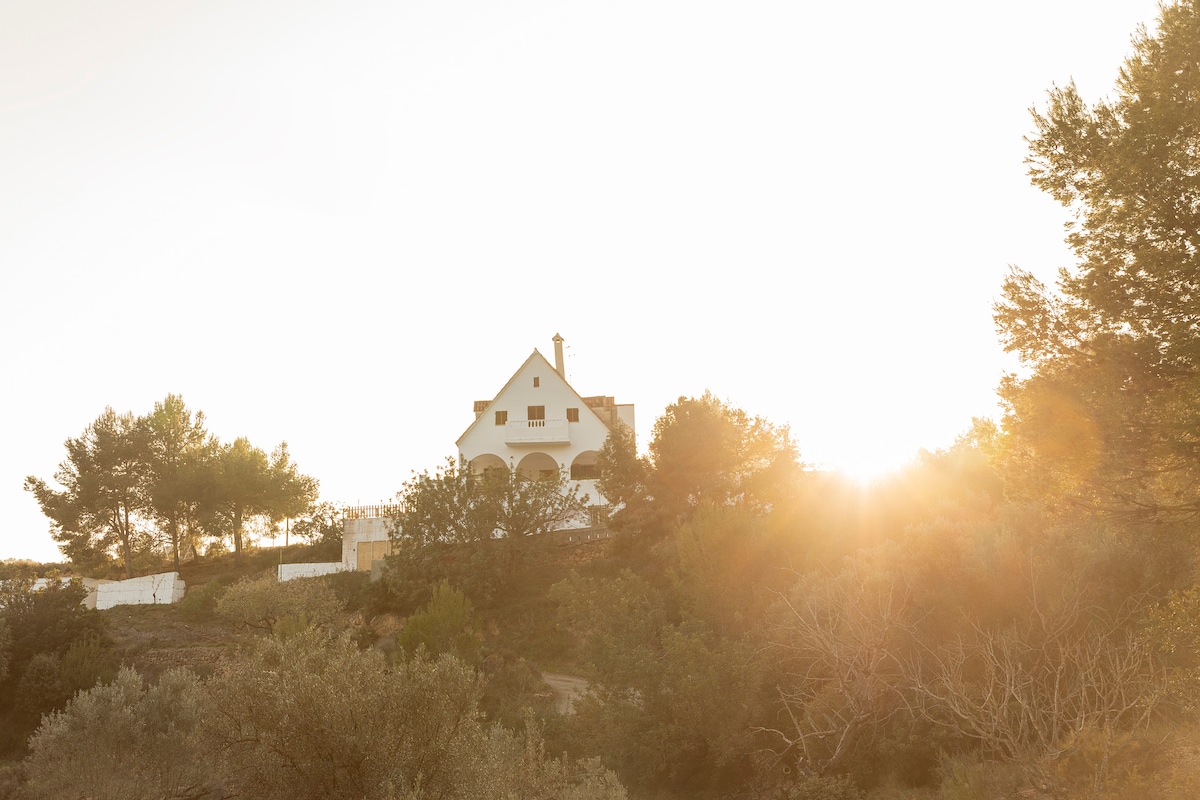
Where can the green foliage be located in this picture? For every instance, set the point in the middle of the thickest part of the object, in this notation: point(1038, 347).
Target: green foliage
point(671, 703)
point(703, 452)
point(446, 625)
point(131, 483)
point(120, 742)
point(305, 717)
point(55, 647)
point(310, 717)
point(1173, 627)
point(247, 483)
point(201, 602)
point(50, 679)
point(263, 603)
point(457, 505)
point(730, 566)
point(88, 662)
point(476, 530)
point(482, 570)
point(1108, 414)
point(444, 507)
point(514, 689)
point(622, 478)
point(178, 453)
point(320, 525)
point(521, 505)
point(352, 589)
point(104, 491)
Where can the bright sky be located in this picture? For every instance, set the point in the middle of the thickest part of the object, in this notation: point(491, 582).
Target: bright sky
point(338, 224)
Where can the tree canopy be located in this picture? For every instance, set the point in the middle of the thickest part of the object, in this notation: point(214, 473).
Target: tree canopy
point(703, 451)
point(131, 483)
point(178, 449)
point(1108, 412)
point(104, 498)
point(456, 504)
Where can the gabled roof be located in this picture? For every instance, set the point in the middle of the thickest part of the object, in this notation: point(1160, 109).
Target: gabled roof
point(534, 355)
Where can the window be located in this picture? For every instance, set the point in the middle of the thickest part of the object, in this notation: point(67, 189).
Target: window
point(501, 417)
point(536, 382)
point(584, 472)
point(536, 412)
point(572, 415)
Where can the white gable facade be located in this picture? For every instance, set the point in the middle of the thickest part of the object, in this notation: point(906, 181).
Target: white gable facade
point(539, 424)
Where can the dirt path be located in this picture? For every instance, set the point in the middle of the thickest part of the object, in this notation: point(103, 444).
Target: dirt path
point(566, 689)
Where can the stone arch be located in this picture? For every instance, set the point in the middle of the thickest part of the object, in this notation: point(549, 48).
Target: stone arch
point(537, 465)
point(482, 463)
point(584, 468)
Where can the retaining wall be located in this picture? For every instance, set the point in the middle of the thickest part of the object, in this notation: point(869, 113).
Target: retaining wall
point(91, 584)
point(289, 571)
point(165, 587)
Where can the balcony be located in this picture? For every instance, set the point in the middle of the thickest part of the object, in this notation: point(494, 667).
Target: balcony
point(537, 431)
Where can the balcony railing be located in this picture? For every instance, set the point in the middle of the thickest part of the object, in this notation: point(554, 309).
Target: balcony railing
point(370, 512)
point(537, 431)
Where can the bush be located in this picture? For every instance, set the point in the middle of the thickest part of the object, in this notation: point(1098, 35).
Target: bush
point(312, 717)
point(120, 741)
point(967, 779)
point(201, 602)
point(55, 647)
point(352, 589)
point(263, 603)
point(445, 625)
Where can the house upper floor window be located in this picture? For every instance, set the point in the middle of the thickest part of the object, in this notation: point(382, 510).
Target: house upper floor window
point(536, 412)
point(572, 415)
point(584, 472)
point(501, 417)
point(537, 382)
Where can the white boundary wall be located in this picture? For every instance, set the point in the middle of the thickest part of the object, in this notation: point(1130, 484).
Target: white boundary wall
point(289, 571)
point(165, 587)
point(91, 584)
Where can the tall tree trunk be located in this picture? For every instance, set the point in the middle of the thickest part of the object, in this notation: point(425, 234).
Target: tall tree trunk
point(175, 539)
point(126, 540)
point(237, 531)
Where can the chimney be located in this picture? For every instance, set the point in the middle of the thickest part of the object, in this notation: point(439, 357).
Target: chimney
point(558, 357)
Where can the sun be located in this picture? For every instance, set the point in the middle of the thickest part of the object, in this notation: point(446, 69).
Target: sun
point(868, 464)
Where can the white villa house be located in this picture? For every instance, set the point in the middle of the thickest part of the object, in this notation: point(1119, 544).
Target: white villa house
point(537, 423)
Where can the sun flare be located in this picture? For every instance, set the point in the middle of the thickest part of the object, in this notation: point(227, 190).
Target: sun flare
point(868, 465)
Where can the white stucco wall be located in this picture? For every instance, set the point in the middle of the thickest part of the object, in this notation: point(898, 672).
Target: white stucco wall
point(289, 571)
point(625, 414)
point(358, 530)
point(165, 587)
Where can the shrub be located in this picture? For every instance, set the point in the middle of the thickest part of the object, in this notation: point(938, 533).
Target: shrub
point(445, 625)
point(312, 717)
point(262, 603)
point(201, 602)
point(120, 741)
